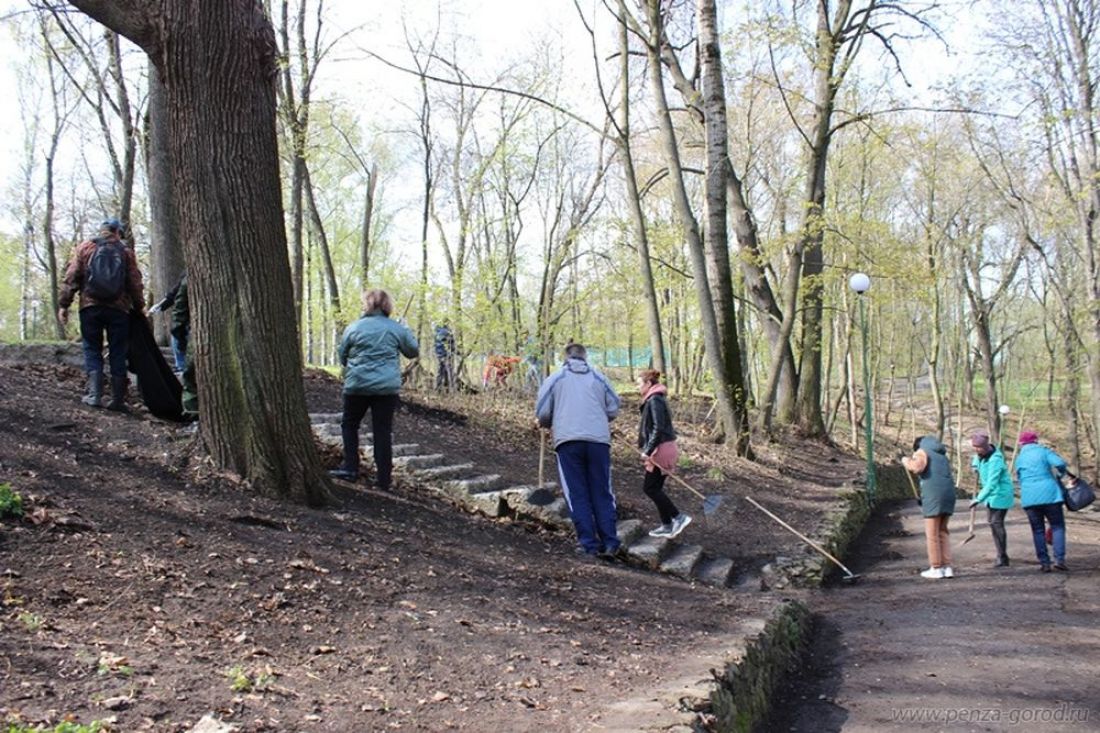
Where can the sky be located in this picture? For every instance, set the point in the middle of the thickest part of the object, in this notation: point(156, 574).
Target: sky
point(499, 31)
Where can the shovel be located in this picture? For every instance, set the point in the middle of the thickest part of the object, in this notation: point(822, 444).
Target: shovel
point(848, 577)
point(970, 531)
point(541, 496)
point(710, 503)
point(912, 483)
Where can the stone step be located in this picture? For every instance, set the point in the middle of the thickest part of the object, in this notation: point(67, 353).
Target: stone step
point(489, 503)
point(442, 472)
point(682, 561)
point(650, 550)
point(475, 485)
point(629, 530)
point(321, 418)
point(715, 571)
point(403, 449)
point(415, 462)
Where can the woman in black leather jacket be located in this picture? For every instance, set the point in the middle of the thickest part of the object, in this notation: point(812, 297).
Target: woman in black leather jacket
point(657, 442)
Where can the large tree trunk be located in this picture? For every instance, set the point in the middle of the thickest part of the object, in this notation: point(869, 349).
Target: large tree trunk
point(634, 201)
point(166, 250)
point(716, 231)
point(727, 415)
point(218, 66)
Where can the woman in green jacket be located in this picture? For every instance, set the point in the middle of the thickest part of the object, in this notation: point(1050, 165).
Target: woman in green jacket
point(996, 490)
point(937, 501)
point(370, 354)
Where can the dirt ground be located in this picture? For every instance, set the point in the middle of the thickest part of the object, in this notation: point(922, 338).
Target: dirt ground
point(994, 649)
point(145, 590)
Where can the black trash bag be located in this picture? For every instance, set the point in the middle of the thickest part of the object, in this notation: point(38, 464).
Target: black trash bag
point(160, 390)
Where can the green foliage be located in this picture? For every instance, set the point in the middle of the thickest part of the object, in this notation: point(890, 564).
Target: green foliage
point(31, 621)
point(10, 289)
point(11, 503)
point(242, 680)
point(94, 727)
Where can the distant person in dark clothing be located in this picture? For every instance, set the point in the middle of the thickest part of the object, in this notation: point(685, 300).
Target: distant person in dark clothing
point(370, 353)
point(181, 331)
point(179, 342)
point(445, 356)
point(105, 273)
point(657, 442)
point(937, 500)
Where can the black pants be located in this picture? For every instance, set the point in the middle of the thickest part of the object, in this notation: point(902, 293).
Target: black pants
point(654, 488)
point(381, 409)
point(997, 527)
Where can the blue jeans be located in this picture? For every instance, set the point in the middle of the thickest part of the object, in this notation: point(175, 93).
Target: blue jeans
point(585, 470)
point(1037, 516)
point(179, 353)
point(94, 320)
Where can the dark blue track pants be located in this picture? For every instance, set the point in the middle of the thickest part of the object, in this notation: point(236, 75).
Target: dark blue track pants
point(585, 471)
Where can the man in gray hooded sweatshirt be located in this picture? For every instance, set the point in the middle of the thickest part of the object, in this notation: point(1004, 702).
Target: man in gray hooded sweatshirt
point(578, 403)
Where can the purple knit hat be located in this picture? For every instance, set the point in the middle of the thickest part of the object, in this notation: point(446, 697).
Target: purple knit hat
point(1028, 436)
point(980, 440)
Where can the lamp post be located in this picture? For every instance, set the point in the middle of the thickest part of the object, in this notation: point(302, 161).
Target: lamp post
point(860, 283)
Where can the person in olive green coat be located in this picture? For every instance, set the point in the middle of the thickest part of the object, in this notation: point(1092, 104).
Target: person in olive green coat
point(181, 331)
point(937, 499)
point(996, 490)
point(370, 353)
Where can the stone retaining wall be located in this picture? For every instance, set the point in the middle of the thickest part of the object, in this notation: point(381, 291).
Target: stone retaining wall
point(742, 699)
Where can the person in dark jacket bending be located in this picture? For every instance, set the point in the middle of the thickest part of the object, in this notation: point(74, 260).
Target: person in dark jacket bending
point(937, 500)
point(657, 442)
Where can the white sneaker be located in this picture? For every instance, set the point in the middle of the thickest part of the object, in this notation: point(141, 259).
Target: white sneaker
point(933, 573)
point(948, 572)
point(679, 523)
point(665, 530)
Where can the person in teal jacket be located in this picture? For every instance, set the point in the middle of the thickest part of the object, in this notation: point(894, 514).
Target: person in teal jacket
point(996, 490)
point(370, 353)
point(937, 501)
point(1041, 497)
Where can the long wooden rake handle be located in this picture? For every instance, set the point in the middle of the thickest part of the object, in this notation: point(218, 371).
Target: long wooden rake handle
point(801, 536)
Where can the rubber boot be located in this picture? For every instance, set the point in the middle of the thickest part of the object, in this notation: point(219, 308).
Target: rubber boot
point(94, 395)
point(118, 394)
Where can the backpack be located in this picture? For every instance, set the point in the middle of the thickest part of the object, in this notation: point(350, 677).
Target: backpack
point(105, 277)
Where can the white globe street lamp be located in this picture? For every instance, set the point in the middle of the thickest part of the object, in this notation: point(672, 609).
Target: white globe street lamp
point(861, 283)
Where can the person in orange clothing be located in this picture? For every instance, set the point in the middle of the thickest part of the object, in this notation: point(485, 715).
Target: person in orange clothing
point(497, 370)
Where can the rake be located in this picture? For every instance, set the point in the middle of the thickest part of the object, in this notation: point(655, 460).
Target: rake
point(848, 577)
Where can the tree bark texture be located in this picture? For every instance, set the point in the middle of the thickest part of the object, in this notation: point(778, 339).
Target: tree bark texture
point(166, 250)
point(217, 60)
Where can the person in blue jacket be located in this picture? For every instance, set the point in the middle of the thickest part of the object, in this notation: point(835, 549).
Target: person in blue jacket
point(1041, 497)
point(578, 404)
point(370, 353)
point(996, 490)
point(937, 500)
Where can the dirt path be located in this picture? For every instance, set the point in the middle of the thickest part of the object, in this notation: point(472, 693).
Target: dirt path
point(991, 650)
